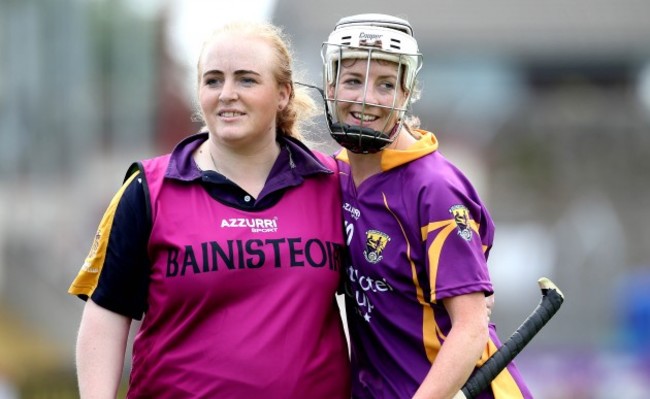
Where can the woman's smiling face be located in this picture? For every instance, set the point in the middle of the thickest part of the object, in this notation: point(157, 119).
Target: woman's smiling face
point(238, 93)
point(371, 108)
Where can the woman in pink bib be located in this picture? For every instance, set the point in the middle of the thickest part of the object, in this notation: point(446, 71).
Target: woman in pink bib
point(229, 249)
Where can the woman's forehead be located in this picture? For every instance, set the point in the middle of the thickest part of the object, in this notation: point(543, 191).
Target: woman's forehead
point(375, 65)
point(239, 52)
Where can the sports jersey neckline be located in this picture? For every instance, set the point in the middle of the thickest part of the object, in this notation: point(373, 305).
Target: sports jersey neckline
point(391, 159)
point(304, 163)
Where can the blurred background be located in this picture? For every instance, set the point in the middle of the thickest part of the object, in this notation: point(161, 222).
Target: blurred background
point(545, 106)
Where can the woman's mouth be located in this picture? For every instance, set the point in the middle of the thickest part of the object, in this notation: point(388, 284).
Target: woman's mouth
point(363, 117)
point(230, 114)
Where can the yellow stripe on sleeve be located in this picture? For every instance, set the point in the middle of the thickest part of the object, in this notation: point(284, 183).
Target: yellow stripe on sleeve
point(433, 226)
point(434, 256)
point(87, 278)
point(431, 333)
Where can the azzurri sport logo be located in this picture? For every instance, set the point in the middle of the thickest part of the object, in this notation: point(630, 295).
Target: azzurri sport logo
point(256, 225)
point(354, 212)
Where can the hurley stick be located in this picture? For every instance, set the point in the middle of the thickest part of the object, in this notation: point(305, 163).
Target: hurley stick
point(552, 299)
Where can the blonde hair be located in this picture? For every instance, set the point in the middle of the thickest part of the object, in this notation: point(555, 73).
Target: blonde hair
point(301, 107)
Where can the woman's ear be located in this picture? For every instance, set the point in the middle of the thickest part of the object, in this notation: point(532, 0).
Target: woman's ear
point(330, 90)
point(284, 94)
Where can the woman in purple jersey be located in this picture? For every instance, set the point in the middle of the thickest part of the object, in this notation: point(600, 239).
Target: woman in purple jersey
point(418, 233)
point(229, 248)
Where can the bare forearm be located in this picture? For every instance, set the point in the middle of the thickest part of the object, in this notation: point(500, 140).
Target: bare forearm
point(460, 351)
point(452, 367)
point(101, 346)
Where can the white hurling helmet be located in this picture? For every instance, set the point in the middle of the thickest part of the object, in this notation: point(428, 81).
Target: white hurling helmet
point(369, 37)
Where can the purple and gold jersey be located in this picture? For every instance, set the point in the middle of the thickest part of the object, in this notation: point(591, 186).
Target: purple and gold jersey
point(238, 295)
point(417, 233)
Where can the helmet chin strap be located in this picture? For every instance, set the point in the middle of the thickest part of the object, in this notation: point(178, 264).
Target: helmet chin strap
point(362, 140)
point(354, 138)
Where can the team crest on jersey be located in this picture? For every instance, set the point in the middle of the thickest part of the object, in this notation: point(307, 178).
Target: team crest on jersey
point(87, 266)
point(461, 217)
point(375, 244)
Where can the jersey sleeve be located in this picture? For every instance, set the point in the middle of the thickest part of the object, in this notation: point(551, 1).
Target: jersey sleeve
point(457, 235)
point(115, 273)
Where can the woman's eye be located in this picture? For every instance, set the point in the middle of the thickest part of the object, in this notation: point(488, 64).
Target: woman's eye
point(212, 82)
point(352, 82)
point(248, 81)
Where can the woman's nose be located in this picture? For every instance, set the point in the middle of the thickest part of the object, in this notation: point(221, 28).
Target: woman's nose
point(228, 91)
point(368, 95)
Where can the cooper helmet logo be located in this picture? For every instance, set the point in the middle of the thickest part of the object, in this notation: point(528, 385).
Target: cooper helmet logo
point(369, 36)
point(376, 242)
point(461, 218)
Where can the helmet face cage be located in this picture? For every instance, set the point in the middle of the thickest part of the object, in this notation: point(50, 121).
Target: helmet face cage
point(366, 38)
